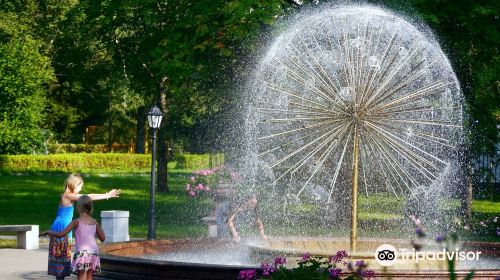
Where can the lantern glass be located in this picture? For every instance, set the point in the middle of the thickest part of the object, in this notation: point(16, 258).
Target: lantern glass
point(154, 117)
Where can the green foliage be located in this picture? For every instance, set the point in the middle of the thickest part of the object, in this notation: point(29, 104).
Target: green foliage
point(116, 56)
point(84, 163)
point(94, 162)
point(87, 148)
point(194, 161)
point(24, 75)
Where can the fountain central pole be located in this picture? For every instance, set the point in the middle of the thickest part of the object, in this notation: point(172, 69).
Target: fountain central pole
point(354, 209)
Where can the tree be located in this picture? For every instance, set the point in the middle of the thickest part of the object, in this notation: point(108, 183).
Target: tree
point(179, 54)
point(24, 75)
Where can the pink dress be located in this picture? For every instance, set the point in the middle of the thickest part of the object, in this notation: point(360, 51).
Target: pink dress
point(87, 254)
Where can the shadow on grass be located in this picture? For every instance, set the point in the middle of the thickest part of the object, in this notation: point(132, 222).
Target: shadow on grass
point(34, 199)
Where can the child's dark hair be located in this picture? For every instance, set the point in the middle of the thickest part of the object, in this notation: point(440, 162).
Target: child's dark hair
point(85, 205)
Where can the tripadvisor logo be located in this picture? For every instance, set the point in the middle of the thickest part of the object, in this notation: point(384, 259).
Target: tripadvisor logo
point(387, 255)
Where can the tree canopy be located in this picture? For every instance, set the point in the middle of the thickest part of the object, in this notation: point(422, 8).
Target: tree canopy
point(24, 74)
point(104, 63)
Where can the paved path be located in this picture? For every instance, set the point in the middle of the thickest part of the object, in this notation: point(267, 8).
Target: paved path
point(16, 264)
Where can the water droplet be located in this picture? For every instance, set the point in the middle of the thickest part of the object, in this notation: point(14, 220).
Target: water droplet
point(310, 83)
point(373, 62)
point(409, 132)
point(282, 73)
point(357, 42)
point(263, 87)
point(447, 92)
point(403, 51)
point(346, 93)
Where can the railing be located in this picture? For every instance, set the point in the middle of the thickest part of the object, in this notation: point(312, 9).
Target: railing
point(487, 172)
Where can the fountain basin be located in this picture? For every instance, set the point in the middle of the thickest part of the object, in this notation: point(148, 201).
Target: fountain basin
point(187, 259)
point(126, 260)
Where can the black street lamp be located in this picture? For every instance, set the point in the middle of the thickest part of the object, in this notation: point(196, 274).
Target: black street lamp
point(154, 121)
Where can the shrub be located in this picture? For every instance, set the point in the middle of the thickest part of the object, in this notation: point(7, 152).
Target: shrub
point(83, 162)
point(207, 180)
point(195, 161)
point(93, 162)
point(88, 148)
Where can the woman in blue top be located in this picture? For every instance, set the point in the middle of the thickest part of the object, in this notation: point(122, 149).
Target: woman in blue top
point(60, 248)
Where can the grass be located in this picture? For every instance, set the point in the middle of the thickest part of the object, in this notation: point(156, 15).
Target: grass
point(32, 198)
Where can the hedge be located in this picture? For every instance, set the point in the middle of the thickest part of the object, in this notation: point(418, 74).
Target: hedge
point(194, 161)
point(99, 162)
point(89, 148)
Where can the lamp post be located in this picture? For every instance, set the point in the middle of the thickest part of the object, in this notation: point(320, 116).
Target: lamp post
point(154, 121)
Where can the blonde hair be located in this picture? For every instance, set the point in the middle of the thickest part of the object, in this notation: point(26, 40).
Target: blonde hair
point(85, 205)
point(72, 181)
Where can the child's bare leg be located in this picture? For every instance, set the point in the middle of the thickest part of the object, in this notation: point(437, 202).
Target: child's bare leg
point(90, 275)
point(82, 275)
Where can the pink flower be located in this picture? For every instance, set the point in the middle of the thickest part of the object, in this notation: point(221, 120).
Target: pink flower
point(192, 179)
point(235, 176)
point(417, 222)
point(335, 272)
point(188, 187)
point(338, 257)
point(248, 274)
point(306, 256)
point(192, 193)
point(207, 188)
point(279, 261)
point(368, 274)
point(199, 187)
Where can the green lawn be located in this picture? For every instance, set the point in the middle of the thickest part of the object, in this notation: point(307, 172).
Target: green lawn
point(33, 199)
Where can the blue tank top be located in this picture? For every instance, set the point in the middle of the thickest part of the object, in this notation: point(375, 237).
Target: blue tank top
point(63, 218)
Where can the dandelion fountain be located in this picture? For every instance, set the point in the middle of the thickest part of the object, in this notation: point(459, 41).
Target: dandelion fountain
point(359, 99)
point(348, 101)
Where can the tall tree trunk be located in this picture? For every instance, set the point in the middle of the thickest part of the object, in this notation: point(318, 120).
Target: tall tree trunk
point(140, 131)
point(162, 182)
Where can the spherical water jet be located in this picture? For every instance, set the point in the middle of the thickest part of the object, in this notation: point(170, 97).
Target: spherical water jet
point(356, 97)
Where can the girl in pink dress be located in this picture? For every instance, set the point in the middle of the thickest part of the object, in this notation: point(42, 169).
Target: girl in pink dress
point(86, 259)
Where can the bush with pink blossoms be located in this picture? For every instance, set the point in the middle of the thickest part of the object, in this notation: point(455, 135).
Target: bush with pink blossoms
point(205, 181)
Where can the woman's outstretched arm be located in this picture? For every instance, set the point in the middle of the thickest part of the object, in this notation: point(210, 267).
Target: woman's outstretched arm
point(111, 194)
